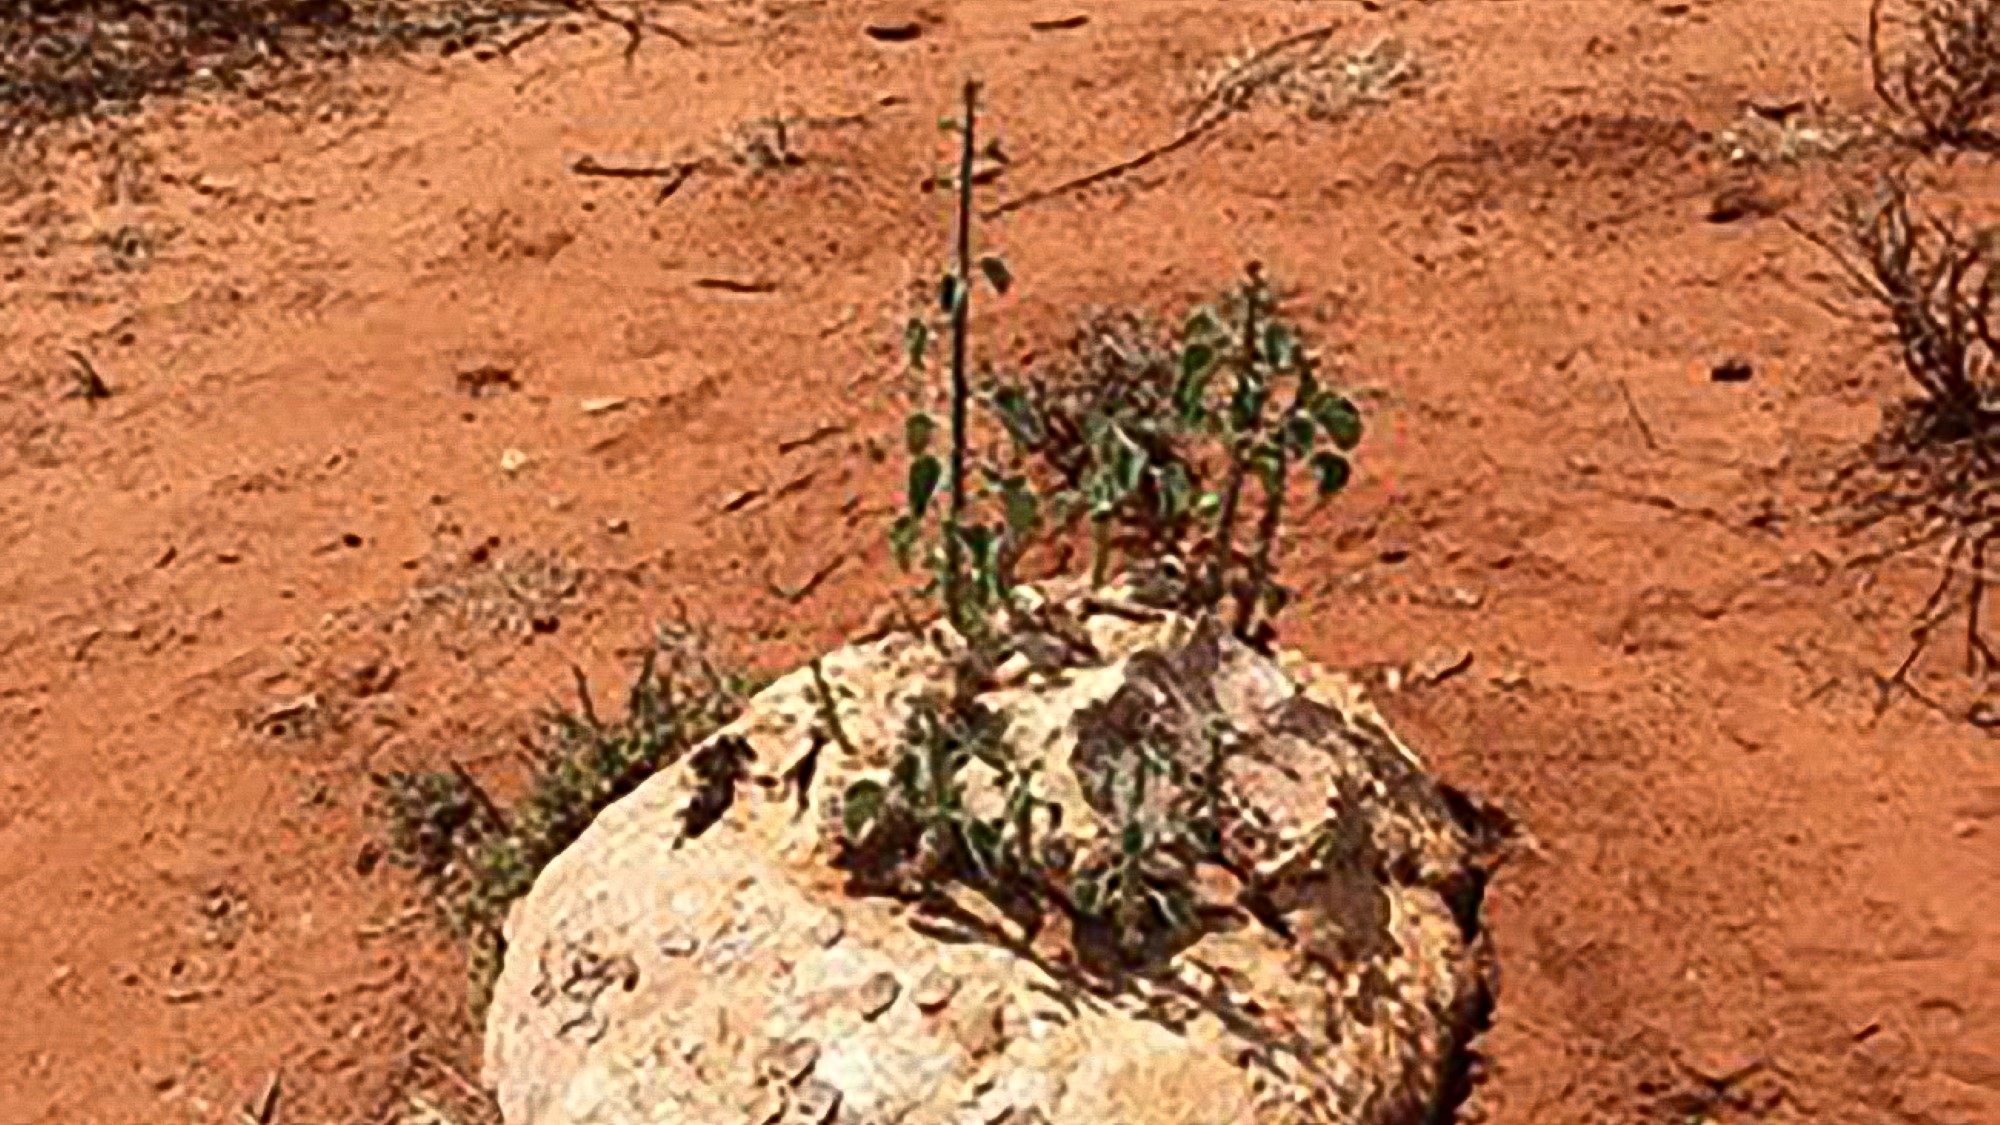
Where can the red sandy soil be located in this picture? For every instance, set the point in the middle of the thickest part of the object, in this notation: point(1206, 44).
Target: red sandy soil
point(1743, 896)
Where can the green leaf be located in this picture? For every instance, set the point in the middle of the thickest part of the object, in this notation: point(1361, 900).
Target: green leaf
point(1022, 507)
point(982, 841)
point(1203, 325)
point(1299, 433)
point(1340, 419)
point(1017, 414)
point(1197, 364)
point(903, 535)
point(1129, 461)
point(1197, 360)
point(917, 431)
point(859, 807)
point(1333, 472)
point(1268, 461)
point(948, 292)
point(1132, 841)
point(1175, 488)
point(996, 271)
point(1208, 504)
point(925, 473)
point(1280, 346)
point(979, 543)
point(1102, 493)
point(1246, 403)
point(916, 340)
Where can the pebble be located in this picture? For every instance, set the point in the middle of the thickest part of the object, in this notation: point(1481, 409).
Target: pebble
point(935, 990)
point(878, 994)
point(817, 1102)
point(791, 1062)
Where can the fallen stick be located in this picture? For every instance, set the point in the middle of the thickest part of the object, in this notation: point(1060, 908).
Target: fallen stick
point(1213, 110)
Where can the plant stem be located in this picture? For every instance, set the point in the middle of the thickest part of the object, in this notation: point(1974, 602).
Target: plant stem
point(1239, 447)
point(961, 314)
point(1274, 507)
point(1267, 535)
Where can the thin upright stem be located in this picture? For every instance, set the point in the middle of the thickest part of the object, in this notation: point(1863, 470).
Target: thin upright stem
point(961, 315)
point(1239, 448)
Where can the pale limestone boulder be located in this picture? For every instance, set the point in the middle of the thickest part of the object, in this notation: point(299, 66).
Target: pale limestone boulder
point(733, 975)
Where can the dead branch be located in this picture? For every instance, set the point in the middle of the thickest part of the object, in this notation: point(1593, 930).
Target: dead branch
point(635, 26)
point(1224, 100)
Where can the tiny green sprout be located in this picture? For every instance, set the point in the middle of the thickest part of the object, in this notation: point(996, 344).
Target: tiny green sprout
point(916, 341)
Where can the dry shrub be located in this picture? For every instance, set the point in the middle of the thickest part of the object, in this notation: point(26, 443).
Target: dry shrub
point(1942, 71)
point(1930, 479)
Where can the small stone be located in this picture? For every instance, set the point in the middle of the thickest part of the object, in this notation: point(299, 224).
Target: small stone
point(935, 990)
point(677, 945)
point(816, 1103)
point(1462, 597)
point(513, 461)
point(603, 405)
point(878, 995)
point(791, 1062)
point(617, 526)
point(827, 932)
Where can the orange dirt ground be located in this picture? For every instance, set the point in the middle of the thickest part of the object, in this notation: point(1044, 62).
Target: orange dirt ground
point(1742, 897)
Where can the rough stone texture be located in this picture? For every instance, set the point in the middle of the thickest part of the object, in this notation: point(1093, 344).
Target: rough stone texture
point(729, 975)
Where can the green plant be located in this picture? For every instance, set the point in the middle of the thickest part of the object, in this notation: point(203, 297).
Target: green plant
point(967, 591)
point(476, 858)
point(1143, 889)
point(1140, 437)
point(1946, 79)
point(1127, 435)
point(921, 814)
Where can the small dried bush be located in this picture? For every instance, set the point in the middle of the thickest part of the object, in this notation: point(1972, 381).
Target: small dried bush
point(1940, 69)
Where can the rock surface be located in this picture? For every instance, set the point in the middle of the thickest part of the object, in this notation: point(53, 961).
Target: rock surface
point(697, 957)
